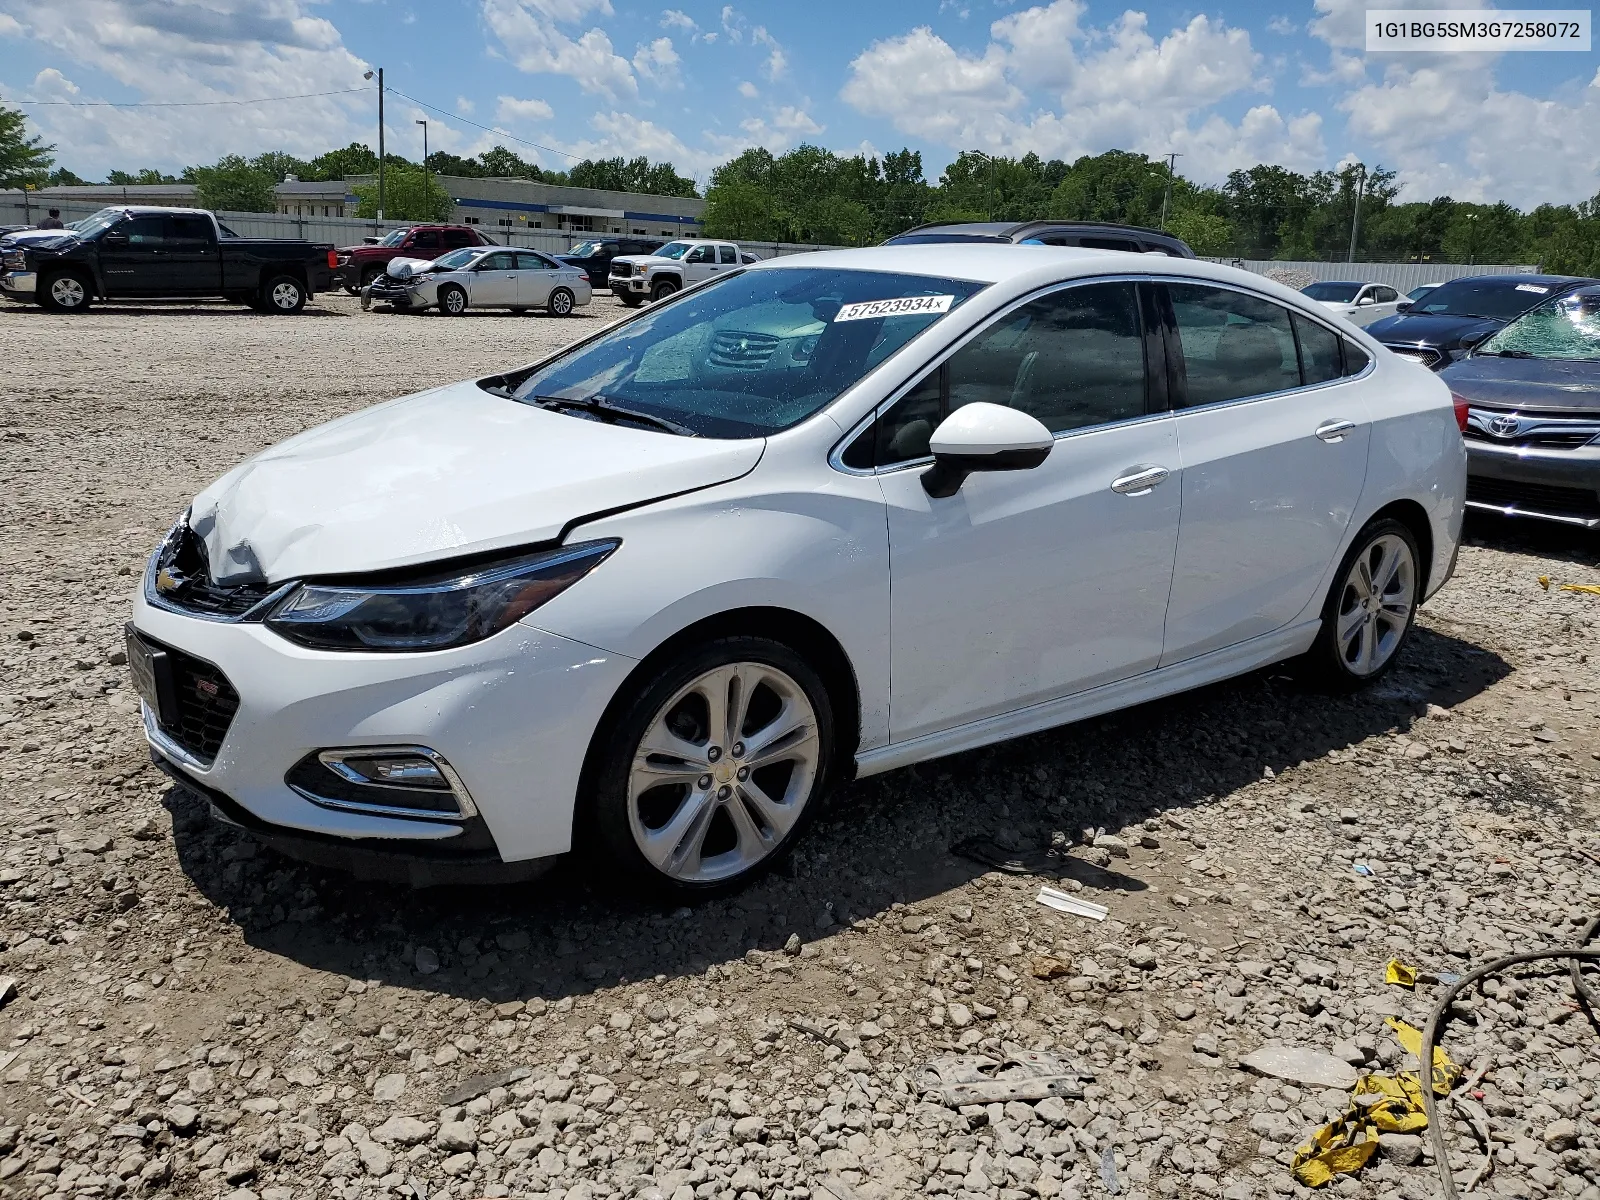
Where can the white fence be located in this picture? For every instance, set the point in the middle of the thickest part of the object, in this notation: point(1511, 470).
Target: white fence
point(1400, 276)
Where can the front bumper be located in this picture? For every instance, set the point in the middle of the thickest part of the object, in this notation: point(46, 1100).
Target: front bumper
point(633, 284)
point(513, 715)
point(19, 283)
point(1552, 485)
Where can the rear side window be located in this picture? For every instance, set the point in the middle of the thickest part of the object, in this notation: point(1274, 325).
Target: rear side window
point(1319, 350)
point(454, 239)
point(1074, 359)
point(1105, 243)
point(1355, 358)
point(425, 239)
point(727, 254)
point(188, 231)
point(1385, 295)
point(1234, 345)
point(528, 261)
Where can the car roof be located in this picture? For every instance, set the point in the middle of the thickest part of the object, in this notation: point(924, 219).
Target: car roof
point(1549, 280)
point(1004, 228)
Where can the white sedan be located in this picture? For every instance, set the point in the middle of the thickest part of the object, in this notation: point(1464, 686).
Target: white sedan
point(1361, 303)
point(823, 517)
point(481, 277)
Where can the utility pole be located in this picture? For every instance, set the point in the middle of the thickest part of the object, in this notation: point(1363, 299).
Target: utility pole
point(990, 161)
point(1472, 239)
point(1355, 215)
point(368, 75)
point(1166, 199)
point(424, 125)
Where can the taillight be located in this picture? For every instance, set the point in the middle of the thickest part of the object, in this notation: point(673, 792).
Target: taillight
point(333, 259)
point(1460, 403)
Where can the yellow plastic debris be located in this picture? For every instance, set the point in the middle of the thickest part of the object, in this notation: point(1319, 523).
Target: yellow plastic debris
point(1397, 972)
point(1379, 1104)
point(1587, 588)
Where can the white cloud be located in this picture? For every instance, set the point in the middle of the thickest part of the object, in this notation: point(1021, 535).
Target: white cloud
point(528, 30)
point(777, 64)
point(1113, 87)
point(509, 109)
point(659, 62)
point(671, 18)
point(464, 106)
point(222, 50)
point(779, 131)
point(749, 90)
point(1282, 25)
point(51, 84)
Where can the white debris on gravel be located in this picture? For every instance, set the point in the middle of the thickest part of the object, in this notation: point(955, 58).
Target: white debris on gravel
point(195, 1016)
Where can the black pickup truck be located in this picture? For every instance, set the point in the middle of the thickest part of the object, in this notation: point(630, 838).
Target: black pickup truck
point(163, 252)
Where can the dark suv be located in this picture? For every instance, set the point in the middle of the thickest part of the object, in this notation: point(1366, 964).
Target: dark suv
point(1091, 235)
point(595, 255)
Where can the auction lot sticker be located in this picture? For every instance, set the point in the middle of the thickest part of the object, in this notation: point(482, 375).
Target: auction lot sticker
point(1457, 29)
point(905, 306)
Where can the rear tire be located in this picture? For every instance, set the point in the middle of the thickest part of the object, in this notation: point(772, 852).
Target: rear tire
point(66, 292)
point(631, 301)
point(561, 302)
point(663, 289)
point(683, 804)
point(452, 300)
point(1370, 610)
point(283, 295)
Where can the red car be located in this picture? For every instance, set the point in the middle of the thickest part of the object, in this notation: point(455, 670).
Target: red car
point(360, 265)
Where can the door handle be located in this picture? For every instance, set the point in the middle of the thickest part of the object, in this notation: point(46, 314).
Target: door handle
point(1139, 481)
point(1334, 431)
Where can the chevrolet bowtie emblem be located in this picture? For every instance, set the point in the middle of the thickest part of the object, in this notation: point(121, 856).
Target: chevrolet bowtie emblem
point(168, 581)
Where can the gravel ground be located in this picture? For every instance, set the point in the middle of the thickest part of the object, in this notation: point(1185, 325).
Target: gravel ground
point(188, 1015)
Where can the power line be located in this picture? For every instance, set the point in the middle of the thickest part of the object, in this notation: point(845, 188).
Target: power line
point(448, 116)
point(185, 103)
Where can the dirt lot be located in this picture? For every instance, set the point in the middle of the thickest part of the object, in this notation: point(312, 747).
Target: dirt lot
point(187, 1014)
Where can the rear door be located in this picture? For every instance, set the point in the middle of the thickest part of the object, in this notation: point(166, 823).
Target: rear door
point(495, 281)
point(192, 263)
point(536, 276)
point(1274, 442)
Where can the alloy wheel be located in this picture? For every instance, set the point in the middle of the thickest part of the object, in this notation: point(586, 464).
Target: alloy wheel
point(561, 303)
point(68, 291)
point(286, 296)
point(1375, 605)
point(723, 772)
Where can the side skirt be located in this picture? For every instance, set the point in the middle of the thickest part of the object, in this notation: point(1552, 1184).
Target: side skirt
point(1124, 693)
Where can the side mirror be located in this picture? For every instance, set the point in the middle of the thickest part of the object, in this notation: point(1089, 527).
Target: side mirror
point(983, 437)
point(1403, 306)
point(1472, 341)
point(1364, 301)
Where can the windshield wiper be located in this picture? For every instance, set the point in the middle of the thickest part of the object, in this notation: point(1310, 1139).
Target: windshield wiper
point(603, 408)
point(1511, 354)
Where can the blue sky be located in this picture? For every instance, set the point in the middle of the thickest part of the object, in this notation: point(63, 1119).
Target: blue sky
point(696, 82)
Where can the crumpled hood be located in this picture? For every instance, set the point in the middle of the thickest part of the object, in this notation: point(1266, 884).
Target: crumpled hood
point(1526, 384)
point(404, 268)
point(440, 474)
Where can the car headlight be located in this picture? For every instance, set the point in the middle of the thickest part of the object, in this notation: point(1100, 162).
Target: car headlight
point(432, 612)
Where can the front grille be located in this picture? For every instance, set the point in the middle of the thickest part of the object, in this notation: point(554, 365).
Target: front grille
point(1426, 355)
point(742, 351)
point(622, 270)
point(1548, 441)
point(15, 260)
point(202, 701)
point(1534, 497)
point(183, 581)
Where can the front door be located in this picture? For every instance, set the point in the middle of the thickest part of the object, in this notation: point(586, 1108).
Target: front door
point(700, 263)
point(1029, 585)
point(495, 281)
point(132, 257)
point(1274, 441)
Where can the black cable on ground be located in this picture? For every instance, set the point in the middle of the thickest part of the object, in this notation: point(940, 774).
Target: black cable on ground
point(1577, 955)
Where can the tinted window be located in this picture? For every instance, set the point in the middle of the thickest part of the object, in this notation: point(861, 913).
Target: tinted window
point(426, 239)
point(751, 353)
point(528, 261)
point(1103, 243)
point(144, 231)
point(189, 231)
point(1387, 295)
point(703, 254)
point(1073, 359)
point(1500, 298)
point(728, 254)
point(1319, 350)
point(454, 239)
point(1234, 345)
point(499, 261)
point(1355, 358)
point(1338, 293)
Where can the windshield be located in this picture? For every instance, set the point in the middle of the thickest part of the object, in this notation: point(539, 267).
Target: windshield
point(1340, 293)
point(585, 250)
point(1500, 299)
point(674, 250)
point(100, 221)
point(394, 238)
point(1567, 327)
point(1417, 293)
point(457, 259)
point(754, 352)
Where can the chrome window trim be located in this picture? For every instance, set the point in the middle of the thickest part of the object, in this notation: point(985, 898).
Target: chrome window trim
point(836, 454)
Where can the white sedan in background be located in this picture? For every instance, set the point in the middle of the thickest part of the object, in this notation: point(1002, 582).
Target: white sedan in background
point(481, 277)
point(827, 516)
point(1360, 303)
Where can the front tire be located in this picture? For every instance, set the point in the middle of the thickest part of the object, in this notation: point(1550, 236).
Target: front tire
point(631, 301)
point(561, 302)
point(706, 778)
point(283, 295)
point(67, 292)
point(452, 300)
point(663, 289)
point(1370, 610)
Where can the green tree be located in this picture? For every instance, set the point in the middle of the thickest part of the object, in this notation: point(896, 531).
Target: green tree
point(24, 161)
point(354, 159)
point(741, 209)
point(630, 175)
point(145, 175)
point(233, 184)
point(61, 177)
point(1116, 186)
point(409, 195)
point(1207, 234)
point(442, 163)
point(280, 166)
point(501, 163)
